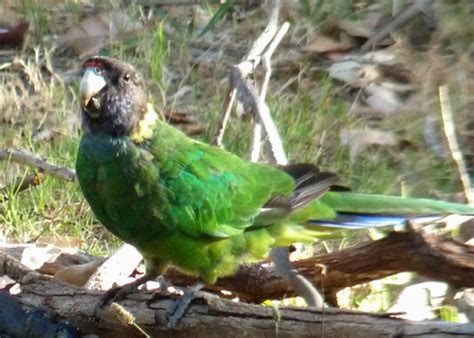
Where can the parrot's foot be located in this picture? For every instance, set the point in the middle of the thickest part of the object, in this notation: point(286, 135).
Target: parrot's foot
point(176, 312)
point(119, 292)
point(298, 282)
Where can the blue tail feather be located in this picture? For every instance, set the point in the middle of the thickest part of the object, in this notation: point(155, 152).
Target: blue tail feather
point(362, 221)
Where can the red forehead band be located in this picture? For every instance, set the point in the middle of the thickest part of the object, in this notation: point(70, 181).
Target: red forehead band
point(94, 63)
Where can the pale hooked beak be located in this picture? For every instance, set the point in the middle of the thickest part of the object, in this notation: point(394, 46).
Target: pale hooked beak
point(91, 84)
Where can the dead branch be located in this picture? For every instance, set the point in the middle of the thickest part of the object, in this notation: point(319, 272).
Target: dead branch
point(212, 316)
point(26, 158)
point(432, 257)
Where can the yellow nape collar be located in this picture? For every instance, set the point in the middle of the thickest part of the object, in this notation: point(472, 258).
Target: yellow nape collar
point(145, 126)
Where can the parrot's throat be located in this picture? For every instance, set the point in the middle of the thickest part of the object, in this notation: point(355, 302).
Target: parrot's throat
point(117, 120)
point(116, 116)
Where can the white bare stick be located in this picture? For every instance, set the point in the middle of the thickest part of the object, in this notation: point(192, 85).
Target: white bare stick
point(450, 132)
point(256, 142)
point(266, 58)
point(229, 102)
point(26, 158)
point(250, 61)
point(249, 97)
point(267, 36)
point(276, 41)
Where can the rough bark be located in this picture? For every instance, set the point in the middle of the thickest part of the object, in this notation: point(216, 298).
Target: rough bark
point(211, 316)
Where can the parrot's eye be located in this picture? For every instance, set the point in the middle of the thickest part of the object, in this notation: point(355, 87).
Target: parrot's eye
point(126, 77)
point(97, 70)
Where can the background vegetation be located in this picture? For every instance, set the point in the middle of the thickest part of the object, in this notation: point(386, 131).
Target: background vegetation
point(184, 52)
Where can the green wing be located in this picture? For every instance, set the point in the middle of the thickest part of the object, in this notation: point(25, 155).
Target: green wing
point(211, 191)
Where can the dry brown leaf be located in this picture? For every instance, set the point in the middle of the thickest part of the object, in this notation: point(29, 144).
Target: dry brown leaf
point(89, 35)
point(397, 72)
point(335, 56)
point(384, 85)
point(187, 122)
point(358, 29)
point(321, 44)
point(77, 274)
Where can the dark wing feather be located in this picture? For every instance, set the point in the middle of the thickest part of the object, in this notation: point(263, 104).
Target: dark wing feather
point(310, 184)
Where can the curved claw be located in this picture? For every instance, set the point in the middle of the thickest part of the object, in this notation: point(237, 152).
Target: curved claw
point(176, 312)
point(119, 292)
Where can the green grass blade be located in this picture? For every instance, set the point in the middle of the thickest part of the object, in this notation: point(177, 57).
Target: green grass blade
point(217, 17)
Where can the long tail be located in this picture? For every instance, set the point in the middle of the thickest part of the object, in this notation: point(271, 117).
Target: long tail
point(355, 211)
point(358, 221)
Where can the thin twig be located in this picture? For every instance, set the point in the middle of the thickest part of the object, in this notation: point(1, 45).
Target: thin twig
point(229, 102)
point(250, 61)
point(256, 142)
point(258, 132)
point(267, 36)
point(248, 96)
point(450, 132)
point(26, 158)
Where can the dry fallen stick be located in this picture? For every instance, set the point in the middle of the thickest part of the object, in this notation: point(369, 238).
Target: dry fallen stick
point(228, 103)
point(26, 158)
point(216, 317)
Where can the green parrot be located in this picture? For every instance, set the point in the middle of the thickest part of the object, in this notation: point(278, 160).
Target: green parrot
point(197, 207)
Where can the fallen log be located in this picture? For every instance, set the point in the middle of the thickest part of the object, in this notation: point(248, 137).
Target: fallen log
point(212, 316)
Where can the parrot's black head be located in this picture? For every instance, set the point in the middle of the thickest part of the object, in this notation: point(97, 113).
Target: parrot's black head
point(113, 99)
